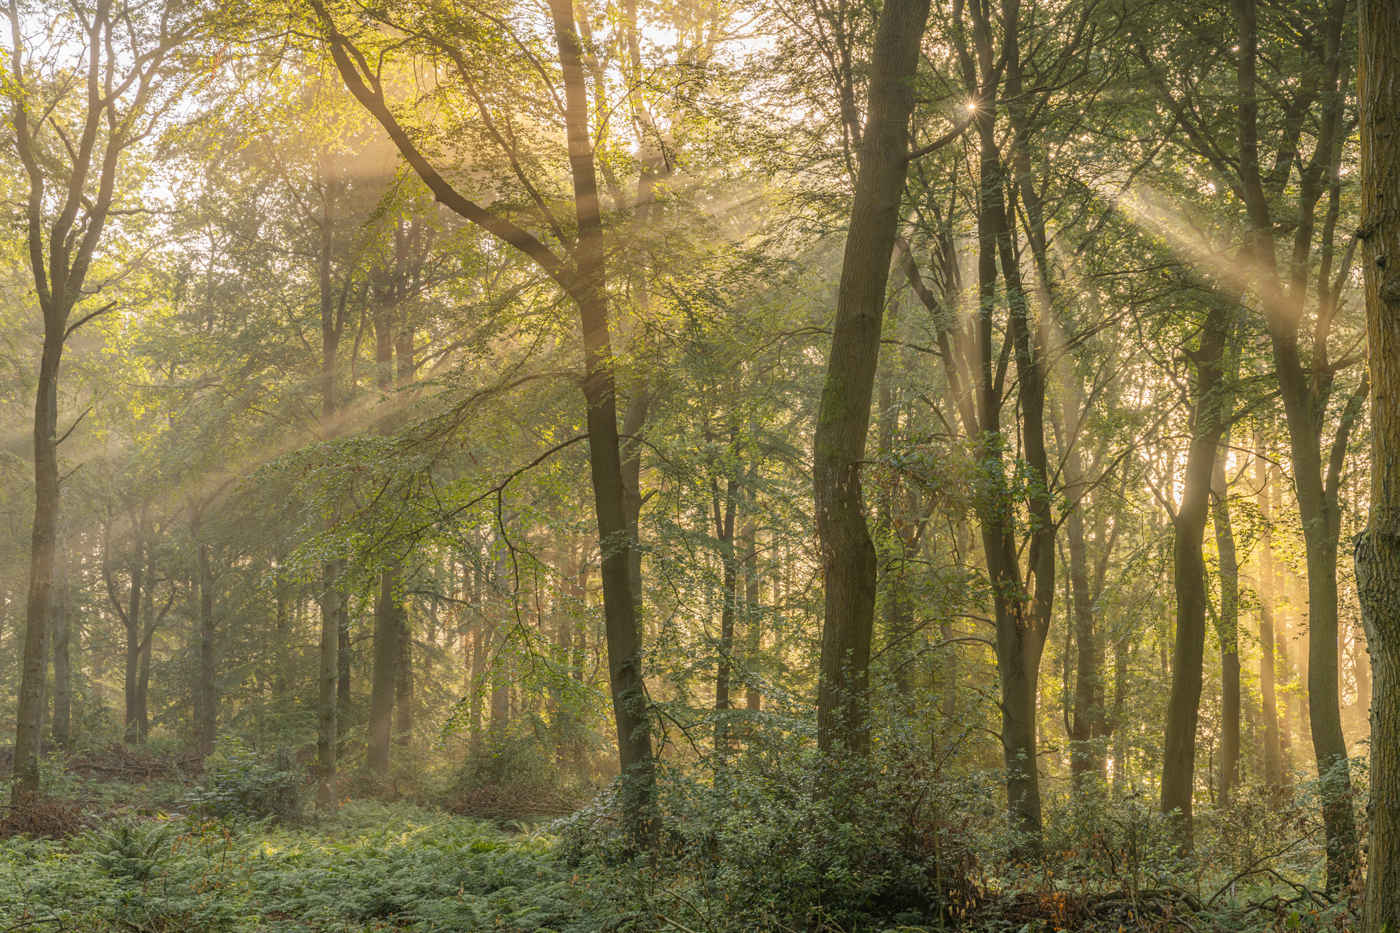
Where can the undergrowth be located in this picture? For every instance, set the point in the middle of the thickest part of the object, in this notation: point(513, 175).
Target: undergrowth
point(775, 840)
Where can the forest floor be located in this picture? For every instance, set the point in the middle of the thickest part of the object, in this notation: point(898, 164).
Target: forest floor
point(130, 850)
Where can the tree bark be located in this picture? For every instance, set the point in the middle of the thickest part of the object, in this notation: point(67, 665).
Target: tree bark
point(62, 648)
point(1378, 549)
point(847, 552)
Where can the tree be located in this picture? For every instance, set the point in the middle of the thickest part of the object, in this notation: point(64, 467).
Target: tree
point(581, 272)
point(848, 554)
point(1378, 548)
point(74, 140)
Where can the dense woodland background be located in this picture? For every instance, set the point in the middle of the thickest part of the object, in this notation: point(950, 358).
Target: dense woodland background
point(463, 404)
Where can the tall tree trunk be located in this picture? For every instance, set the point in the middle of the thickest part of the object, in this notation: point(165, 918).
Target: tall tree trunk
point(282, 629)
point(1378, 549)
point(207, 666)
point(332, 671)
point(1227, 630)
point(1208, 402)
point(477, 684)
point(385, 672)
point(327, 790)
point(724, 509)
point(1268, 661)
point(1121, 653)
point(1086, 753)
point(143, 678)
point(403, 681)
point(132, 621)
point(1304, 402)
point(847, 552)
point(62, 648)
point(208, 697)
point(753, 609)
point(620, 611)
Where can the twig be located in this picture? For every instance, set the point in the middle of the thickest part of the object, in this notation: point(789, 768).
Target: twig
point(668, 920)
point(25, 923)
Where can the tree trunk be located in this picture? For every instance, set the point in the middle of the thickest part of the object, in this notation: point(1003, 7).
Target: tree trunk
point(1086, 754)
point(385, 672)
point(327, 791)
point(132, 620)
point(753, 623)
point(333, 674)
point(43, 546)
point(62, 648)
point(1378, 549)
point(1273, 758)
point(1227, 630)
point(65, 213)
point(207, 670)
point(723, 516)
point(847, 552)
point(403, 681)
point(143, 679)
point(1303, 400)
point(1192, 598)
point(620, 610)
point(282, 628)
point(208, 697)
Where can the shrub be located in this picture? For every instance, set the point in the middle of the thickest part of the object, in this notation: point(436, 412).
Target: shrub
point(751, 845)
point(243, 783)
point(515, 774)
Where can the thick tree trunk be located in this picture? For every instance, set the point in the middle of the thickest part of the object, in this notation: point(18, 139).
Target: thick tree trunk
point(62, 648)
point(385, 672)
point(43, 547)
point(1378, 549)
point(847, 552)
point(143, 678)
